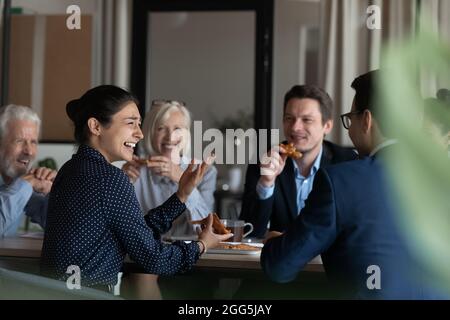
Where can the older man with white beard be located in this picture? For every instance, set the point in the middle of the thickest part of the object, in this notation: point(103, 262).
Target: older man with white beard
point(22, 190)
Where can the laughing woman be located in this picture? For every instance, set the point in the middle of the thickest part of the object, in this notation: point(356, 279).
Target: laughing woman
point(166, 145)
point(94, 218)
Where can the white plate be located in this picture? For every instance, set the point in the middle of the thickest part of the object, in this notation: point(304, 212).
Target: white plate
point(257, 250)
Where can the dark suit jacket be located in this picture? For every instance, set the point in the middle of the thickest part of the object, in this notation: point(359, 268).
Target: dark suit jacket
point(349, 218)
point(281, 208)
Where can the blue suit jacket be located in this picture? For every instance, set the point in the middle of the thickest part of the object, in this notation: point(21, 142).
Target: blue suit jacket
point(350, 219)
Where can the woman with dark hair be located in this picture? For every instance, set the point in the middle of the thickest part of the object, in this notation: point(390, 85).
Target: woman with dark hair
point(165, 153)
point(94, 218)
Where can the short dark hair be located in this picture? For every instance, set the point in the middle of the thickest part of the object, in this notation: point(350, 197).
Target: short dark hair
point(311, 92)
point(365, 94)
point(101, 103)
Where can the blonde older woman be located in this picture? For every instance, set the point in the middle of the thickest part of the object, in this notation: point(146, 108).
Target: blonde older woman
point(157, 171)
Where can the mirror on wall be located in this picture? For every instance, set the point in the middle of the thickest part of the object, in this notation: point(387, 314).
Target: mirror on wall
point(207, 60)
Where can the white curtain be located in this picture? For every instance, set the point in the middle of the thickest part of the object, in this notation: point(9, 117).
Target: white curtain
point(349, 48)
point(113, 36)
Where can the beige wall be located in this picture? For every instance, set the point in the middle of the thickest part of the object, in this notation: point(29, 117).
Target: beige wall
point(205, 59)
point(20, 76)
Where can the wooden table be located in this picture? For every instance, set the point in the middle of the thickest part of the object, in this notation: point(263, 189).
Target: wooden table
point(219, 276)
point(21, 247)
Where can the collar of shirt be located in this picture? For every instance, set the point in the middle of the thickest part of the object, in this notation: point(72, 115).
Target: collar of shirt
point(382, 145)
point(314, 168)
point(87, 151)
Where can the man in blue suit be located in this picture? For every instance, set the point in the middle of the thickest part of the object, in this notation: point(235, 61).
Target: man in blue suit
point(350, 219)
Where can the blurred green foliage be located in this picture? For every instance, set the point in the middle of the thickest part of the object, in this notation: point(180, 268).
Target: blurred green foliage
point(420, 167)
point(48, 163)
point(241, 120)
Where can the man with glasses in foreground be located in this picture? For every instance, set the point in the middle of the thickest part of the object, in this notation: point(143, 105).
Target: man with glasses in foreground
point(350, 219)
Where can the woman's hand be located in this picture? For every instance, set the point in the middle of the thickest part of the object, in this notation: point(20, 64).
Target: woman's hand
point(208, 236)
point(131, 169)
point(163, 166)
point(190, 179)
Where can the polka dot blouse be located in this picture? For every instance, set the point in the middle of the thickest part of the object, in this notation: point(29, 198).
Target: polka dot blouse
point(94, 220)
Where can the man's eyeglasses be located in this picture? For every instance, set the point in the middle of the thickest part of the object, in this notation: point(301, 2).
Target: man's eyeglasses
point(160, 102)
point(347, 118)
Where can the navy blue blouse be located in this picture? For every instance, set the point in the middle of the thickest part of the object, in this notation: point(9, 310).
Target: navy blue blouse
point(94, 220)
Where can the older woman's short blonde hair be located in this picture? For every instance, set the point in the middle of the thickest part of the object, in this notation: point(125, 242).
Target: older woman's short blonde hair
point(158, 114)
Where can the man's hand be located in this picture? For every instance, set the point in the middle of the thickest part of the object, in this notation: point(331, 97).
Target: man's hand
point(272, 165)
point(41, 179)
point(38, 185)
point(43, 173)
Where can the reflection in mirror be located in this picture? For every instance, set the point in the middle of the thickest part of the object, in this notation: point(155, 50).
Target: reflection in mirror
point(206, 59)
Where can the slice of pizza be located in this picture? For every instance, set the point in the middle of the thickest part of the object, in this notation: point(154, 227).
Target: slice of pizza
point(237, 246)
point(217, 225)
point(142, 161)
point(291, 151)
